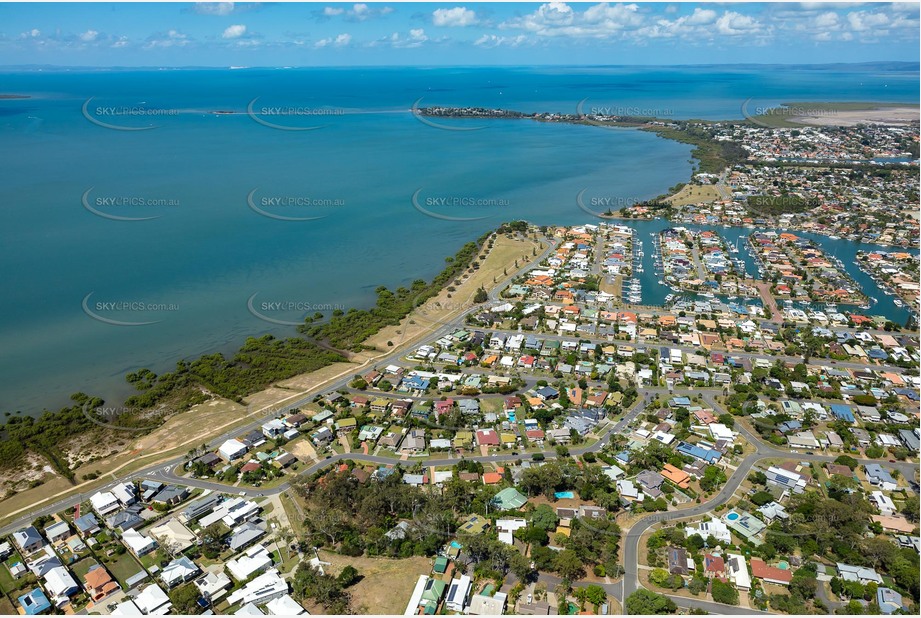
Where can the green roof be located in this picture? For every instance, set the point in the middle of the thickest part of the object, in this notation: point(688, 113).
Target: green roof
point(441, 564)
point(434, 590)
point(509, 498)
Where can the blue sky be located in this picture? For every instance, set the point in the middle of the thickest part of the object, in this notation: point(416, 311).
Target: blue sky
point(465, 33)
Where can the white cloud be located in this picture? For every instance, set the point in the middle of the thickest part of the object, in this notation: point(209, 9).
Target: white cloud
point(89, 36)
point(234, 32)
point(341, 40)
point(122, 41)
point(416, 38)
point(862, 21)
point(459, 16)
point(171, 38)
point(613, 17)
point(488, 41)
point(358, 12)
point(735, 24)
point(34, 33)
point(214, 8)
point(827, 20)
point(701, 17)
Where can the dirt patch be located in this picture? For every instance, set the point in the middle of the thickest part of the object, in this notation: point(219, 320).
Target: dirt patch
point(446, 305)
point(386, 583)
point(303, 450)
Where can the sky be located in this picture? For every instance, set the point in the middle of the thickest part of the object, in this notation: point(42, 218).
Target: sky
point(470, 33)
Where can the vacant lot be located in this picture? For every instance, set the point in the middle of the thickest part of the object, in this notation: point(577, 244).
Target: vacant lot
point(694, 194)
point(123, 567)
point(386, 584)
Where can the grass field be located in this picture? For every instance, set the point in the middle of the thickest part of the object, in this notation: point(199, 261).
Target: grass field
point(123, 567)
point(693, 194)
point(6, 608)
point(7, 583)
point(82, 567)
point(386, 583)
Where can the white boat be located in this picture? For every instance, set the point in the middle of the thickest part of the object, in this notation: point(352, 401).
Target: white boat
point(898, 303)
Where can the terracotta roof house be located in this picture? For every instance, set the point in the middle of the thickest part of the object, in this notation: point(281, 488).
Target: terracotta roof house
point(99, 583)
point(770, 574)
point(714, 566)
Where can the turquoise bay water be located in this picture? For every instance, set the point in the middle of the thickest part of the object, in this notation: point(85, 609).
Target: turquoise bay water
point(196, 265)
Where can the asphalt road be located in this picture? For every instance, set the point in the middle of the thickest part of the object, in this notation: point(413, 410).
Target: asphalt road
point(165, 471)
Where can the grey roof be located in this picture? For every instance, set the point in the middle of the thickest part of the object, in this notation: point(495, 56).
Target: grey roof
point(123, 520)
point(244, 535)
point(170, 493)
point(200, 507)
point(909, 439)
point(27, 536)
point(878, 472)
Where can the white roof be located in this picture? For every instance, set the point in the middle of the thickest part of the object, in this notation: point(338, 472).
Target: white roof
point(252, 561)
point(125, 493)
point(137, 541)
point(212, 584)
point(128, 608)
point(720, 431)
point(104, 502)
point(153, 600)
point(739, 576)
point(285, 606)
point(249, 609)
point(58, 581)
point(260, 590)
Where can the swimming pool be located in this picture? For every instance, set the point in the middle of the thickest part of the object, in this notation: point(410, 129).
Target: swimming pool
point(511, 417)
point(456, 545)
point(783, 564)
point(732, 516)
point(564, 494)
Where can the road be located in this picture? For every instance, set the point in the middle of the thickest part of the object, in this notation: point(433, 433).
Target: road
point(164, 469)
point(816, 362)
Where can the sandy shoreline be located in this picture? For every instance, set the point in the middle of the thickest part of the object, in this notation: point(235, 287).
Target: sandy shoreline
point(894, 116)
point(218, 414)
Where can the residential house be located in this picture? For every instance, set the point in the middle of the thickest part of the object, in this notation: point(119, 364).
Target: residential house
point(99, 583)
point(769, 574)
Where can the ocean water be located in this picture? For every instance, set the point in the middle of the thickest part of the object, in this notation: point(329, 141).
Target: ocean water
point(219, 247)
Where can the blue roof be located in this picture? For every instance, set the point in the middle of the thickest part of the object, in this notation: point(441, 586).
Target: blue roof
point(705, 454)
point(35, 602)
point(790, 426)
point(843, 412)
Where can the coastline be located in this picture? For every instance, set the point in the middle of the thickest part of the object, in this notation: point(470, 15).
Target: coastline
point(417, 325)
point(273, 399)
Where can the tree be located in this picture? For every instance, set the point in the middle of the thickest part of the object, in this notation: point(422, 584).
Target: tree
point(544, 517)
point(185, 599)
point(596, 595)
point(697, 585)
point(724, 593)
point(568, 565)
point(481, 296)
point(648, 602)
point(211, 544)
point(658, 576)
point(761, 498)
point(348, 576)
point(845, 460)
